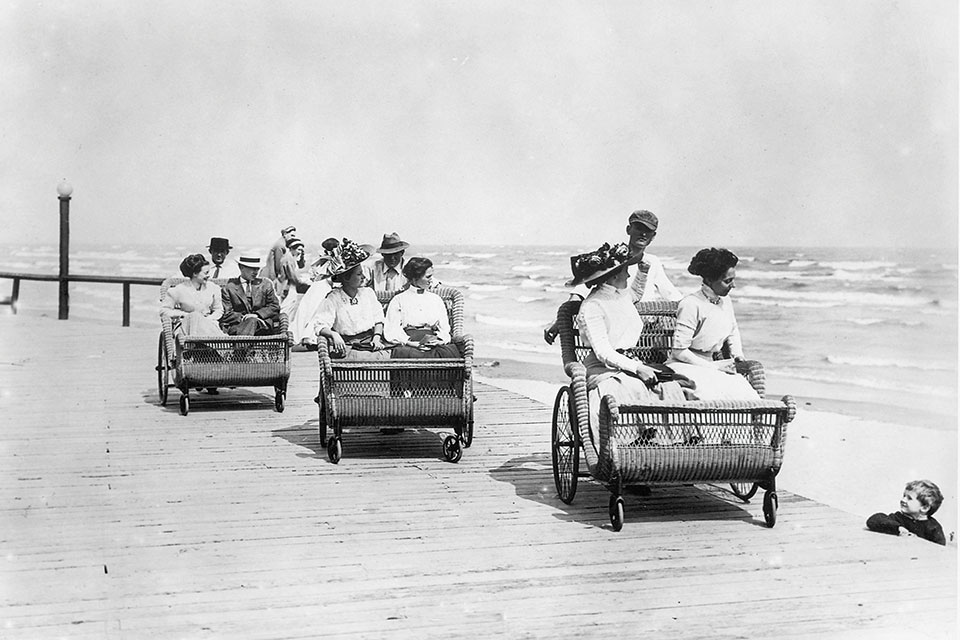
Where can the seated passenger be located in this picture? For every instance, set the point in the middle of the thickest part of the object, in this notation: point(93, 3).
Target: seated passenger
point(609, 322)
point(705, 323)
point(351, 317)
point(195, 304)
point(250, 304)
point(302, 321)
point(417, 319)
point(384, 274)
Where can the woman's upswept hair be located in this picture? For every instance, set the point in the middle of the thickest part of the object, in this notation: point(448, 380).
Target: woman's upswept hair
point(192, 264)
point(927, 493)
point(416, 268)
point(710, 264)
point(344, 275)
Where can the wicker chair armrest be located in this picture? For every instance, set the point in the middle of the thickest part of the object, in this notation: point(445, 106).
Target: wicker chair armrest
point(166, 323)
point(565, 330)
point(752, 370)
point(323, 357)
point(285, 328)
point(465, 345)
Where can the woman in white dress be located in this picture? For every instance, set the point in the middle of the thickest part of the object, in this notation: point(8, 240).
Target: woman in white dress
point(303, 319)
point(417, 320)
point(351, 317)
point(705, 324)
point(195, 305)
point(609, 323)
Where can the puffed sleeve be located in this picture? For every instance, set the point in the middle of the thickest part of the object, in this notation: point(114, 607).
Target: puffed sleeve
point(326, 315)
point(688, 319)
point(393, 324)
point(593, 326)
point(216, 304)
point(168, 305)
point(443, 322)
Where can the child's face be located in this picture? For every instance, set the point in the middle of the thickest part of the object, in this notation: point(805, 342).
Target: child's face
point(911, 506)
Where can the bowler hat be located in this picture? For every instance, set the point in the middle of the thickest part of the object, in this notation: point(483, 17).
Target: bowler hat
point(392, 244)
point(219, 244)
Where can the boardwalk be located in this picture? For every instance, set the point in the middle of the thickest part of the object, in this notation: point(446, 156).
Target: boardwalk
point(122, 519)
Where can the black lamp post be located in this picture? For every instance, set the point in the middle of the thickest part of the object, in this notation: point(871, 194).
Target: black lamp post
point(63, 192)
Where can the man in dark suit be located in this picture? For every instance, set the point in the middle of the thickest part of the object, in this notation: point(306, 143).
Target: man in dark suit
point(250, 304)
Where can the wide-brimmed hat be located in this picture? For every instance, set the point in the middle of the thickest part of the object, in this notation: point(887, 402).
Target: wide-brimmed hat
point(392, 244)
point(246, 261)
point(294, 242)
point(219, 244)
point(594, 265)
point(349, 255)
point(289, 229)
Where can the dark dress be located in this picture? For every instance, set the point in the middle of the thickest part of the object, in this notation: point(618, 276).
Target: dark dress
point(928, 529)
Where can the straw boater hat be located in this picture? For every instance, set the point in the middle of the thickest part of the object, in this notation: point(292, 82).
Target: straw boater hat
point(392, 244)
point(219, 244)
point(589, 267)
point(246, 261)
point(350, 255)
point(294, 242)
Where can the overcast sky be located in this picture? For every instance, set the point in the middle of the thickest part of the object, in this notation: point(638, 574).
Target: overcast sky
point(738, 123)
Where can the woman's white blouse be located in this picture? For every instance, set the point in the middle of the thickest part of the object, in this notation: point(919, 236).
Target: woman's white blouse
point(608, 321)
point(704, 322)
point(409, 308)
point(338, 314)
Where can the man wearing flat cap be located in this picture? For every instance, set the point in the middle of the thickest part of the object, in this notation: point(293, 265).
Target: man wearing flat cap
point(386, 274)
point(220, 269)
point(648, 280)
point(273, 264)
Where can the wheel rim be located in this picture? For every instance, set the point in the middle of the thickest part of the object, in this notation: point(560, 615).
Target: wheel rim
point(334, 450)
point(616, 513)
point(743, 490)
point(451, 449)
point(163, 370)
point(770, 504)
point(565, 450)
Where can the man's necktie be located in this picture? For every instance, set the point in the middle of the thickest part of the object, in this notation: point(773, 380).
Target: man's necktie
point(216, 274)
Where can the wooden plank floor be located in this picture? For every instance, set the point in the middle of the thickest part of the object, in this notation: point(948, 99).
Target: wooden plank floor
point(123, 519)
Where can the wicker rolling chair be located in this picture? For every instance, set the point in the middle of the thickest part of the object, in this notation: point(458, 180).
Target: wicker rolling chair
point(740, 443)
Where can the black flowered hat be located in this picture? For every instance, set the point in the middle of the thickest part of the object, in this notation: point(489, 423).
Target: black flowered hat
point(590, 267)
point(349, 255)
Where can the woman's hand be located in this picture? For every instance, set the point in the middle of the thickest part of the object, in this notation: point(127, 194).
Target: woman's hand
point(338, 346)
point(727, 365)
point(645, 373)
point(378, 344)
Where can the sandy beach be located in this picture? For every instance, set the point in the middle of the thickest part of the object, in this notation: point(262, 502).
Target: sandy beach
point(854, 454)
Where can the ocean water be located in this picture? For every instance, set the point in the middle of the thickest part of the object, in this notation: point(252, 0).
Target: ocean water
point(869, 322)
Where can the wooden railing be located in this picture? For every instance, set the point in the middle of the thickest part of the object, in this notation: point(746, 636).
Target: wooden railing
point(126, 281)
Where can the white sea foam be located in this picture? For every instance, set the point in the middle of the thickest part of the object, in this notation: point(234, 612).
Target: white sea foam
point(457, 284)
point(524, 268)
point(869, 383)
point(454, 266)
point(476, 256)
point(832, 297)
point(477, 296)
point(488, 287)
point(507, 322)
point(866, 322)
point(787, 304)
point(525, 299)
point(859, 265)
point(524, 347)
point(527, 284)
point(865, 361)
point(800, 264)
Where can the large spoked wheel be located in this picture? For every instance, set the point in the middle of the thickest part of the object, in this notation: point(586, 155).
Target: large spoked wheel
point(770, 504)
point(565, 448)
point(452, 452)
point(744, 490)
point(334, 449)
point(184, 404)
point(163, 371)
point(278, 399)
point(616, 512)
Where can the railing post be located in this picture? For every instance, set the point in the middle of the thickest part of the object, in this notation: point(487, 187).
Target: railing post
point(126, 304)
point(15, 295)
point(64, 190)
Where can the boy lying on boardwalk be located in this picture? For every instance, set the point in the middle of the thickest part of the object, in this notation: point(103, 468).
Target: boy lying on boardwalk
point(921, 499)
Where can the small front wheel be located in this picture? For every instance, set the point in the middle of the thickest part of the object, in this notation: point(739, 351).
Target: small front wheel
point(278, 399)
point(334, 449)
point(770, 504)
point(452, 451)
point(616, 512)
point(184, 404)
point(743, 490)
